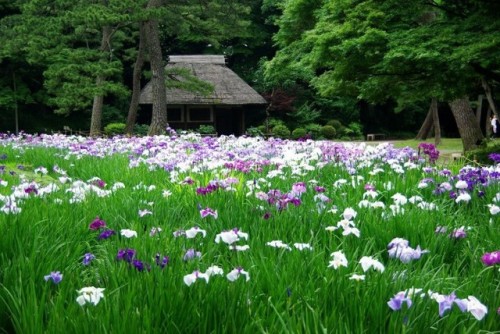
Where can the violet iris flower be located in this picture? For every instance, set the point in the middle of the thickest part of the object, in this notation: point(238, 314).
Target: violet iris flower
point(490, 259)
point(87, 258)
point(126, 255)
point(54, 276)
point(396, 302)
point(208, 212)
point(162, 262)
point(97, 223)
point(191, 254)
point(139, 265)
point(446, 302)
point(106, 234)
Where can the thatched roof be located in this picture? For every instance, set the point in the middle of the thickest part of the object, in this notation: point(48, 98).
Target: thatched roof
point(229, 88)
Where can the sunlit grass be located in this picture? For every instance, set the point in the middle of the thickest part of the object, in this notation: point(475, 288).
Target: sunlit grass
point(288, 291)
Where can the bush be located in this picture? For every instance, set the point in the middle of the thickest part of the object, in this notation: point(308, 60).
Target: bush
point(262, 128)
point(328, 132)
point(206, 129)
point(314, 130)
point(335, 123)
point(254, 132)
point(481, 155)
point(114, 129)
point(354, 130)
point(274, 122)
point(299, 133)
point(141, 129)
point(281, 131)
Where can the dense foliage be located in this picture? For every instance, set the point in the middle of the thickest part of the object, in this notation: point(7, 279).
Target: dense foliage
point(371, 65)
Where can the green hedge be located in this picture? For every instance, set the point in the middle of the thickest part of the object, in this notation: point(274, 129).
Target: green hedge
point(480, 155)
point(298, 133)
point(328, 131)
point(114, 129)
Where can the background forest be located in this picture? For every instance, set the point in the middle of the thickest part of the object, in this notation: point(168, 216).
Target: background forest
point(360, 66)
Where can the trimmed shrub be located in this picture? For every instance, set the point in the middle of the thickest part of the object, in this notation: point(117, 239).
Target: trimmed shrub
point(314, 130)
point(206, 129)
point(114, 129)
point(141, 129)
point(281, 131)
point(274, 122)
point(481, 155)
point(299, 133)
point(254, 132)
point(262, 128)
point(335, 123)
point(328, 132)
point(354, 130)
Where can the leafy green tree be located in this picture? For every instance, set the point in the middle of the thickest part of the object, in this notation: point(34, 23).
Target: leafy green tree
point(77, 46)
point(406, 51)
point(190, 21)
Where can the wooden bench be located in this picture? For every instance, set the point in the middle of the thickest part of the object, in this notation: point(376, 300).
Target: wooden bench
point(375, 136)
point(457, 156)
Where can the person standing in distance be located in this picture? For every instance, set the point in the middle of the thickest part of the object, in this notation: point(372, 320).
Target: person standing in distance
point(495, 126)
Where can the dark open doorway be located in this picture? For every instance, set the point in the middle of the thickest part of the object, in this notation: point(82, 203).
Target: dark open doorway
point(228, 121)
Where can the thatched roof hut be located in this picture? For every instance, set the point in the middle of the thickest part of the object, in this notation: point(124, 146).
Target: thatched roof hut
point(224, 108)
point(229, 88)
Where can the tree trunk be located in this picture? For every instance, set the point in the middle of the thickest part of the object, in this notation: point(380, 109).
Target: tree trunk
point(96, 118)
point(487, 123)
point(469, 129)
point(159, 115)
point(489, 96)
point(479, 109)
point(426, 128)
point(435, 121)
point(136, 83)
point(268, 114)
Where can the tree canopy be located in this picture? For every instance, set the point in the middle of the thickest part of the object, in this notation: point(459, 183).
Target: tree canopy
point(390, 50)
point(328, 57)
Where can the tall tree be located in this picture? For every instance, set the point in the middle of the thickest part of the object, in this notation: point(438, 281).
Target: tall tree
point(191, 21)
point(136, 81)
point(152, 34)
point(96, 118)
point(405, 51)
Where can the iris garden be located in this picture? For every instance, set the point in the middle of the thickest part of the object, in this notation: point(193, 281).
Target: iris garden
point(187, 234)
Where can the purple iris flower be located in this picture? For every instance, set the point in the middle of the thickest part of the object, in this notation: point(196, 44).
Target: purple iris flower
point(162, 262)
point(54, 276)
point(126, 255)
point(139, 265)
point(191, 254)
point(208, 212)
point(490, 259)
point(87, 258)
point(31, 189)
point(106, 234)
point(97, 223)
point(319, 189)
point(429, 150)
point(446, 302)
point(396, 302)
point(369, 186)
point(458, 233)
point(495, 157)
point(99, 183)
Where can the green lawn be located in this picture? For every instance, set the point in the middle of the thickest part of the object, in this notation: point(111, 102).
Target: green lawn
point(447, 147)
